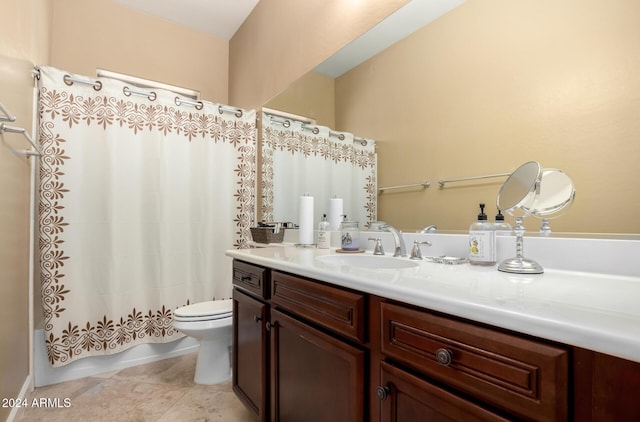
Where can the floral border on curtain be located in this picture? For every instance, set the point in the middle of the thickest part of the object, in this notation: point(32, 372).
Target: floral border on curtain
point(305, 145)
point(113, 332)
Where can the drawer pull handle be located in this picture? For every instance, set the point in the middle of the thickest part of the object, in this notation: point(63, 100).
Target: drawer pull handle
point(246, 278)
point(257, 318)
point(383, 392)
point(444, 357)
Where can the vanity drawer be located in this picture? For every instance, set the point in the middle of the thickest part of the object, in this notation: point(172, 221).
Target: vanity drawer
point(337, 309)
point(525, 377)
point(251, 278)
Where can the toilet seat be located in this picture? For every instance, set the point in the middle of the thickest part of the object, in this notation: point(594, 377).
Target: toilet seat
point(205, 311)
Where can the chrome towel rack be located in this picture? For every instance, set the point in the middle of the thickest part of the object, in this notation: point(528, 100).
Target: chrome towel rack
point(465, 179)
point(424, 185)
point(8, 117)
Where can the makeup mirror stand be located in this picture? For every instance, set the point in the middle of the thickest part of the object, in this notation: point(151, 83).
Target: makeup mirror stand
point(532, 190)
point(516, 197)
point(519, 264)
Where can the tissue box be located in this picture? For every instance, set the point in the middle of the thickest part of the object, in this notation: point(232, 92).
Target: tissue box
point(266, 235)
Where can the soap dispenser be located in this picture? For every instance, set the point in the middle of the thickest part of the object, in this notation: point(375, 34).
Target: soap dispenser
point(482, 241)
point(501, 226)
point(324, 233)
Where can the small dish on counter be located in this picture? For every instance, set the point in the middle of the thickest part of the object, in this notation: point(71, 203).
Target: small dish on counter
point(350, 251)
point(449, 260)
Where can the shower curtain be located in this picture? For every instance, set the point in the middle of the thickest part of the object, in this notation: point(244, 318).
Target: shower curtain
point(140, 195)
point(309, 159)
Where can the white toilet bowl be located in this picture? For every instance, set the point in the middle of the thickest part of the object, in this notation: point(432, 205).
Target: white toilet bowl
point(209, 322)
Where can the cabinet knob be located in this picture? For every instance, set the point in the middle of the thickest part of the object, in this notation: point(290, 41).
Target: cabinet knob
point(257, 318)
point(444, 357)
point(383, 392)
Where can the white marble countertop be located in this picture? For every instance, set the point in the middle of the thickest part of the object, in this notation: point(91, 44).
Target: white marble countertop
point(595, 311)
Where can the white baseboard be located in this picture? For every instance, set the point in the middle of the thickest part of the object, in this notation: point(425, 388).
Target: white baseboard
point(26, 389)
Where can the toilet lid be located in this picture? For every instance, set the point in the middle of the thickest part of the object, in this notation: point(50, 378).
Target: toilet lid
point(212, 309)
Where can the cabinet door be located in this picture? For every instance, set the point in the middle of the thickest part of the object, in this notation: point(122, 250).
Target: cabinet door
point(250, 352)
point(314, 376)
point(406, 398)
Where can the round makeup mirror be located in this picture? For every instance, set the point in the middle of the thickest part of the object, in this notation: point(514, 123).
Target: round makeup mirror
point(556, 194)
point(516, 197)
point(519, 191)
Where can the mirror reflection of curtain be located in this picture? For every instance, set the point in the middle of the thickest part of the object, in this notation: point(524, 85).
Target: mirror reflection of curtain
point(139, 199)
point(326, 164)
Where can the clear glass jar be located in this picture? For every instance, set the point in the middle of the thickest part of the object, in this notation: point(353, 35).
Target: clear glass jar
point(350, 236)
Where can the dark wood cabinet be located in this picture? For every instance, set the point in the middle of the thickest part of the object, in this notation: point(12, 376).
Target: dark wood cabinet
point(250, 338)
point(298, 352)
point(306, 350)
point(338, 310)
point(249, 352)
point(606, 388)
point(521, 376)
point(251, 278)
point(406, 398)
point(314, 375)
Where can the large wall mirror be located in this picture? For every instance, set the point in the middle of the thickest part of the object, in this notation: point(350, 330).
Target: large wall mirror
point(483, 87)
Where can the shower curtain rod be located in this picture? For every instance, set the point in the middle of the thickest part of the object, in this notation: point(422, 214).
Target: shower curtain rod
point(151, 95)
point(286, 122)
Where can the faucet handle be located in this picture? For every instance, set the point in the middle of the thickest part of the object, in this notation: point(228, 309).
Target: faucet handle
point(416, 253)
point(378, 248)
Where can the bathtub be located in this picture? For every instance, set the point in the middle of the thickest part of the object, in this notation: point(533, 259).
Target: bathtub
point(45, 374)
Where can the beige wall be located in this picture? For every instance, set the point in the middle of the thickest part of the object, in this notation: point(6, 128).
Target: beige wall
point(101, 34)
point(283, 39)
point(313, 96)
point(24, 36)
point(496, 83)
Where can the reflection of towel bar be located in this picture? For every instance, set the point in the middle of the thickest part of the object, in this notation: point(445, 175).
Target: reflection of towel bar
point(464, 179)
point(424, 185)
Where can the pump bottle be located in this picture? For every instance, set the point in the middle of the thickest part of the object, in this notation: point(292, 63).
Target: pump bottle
point(482, 241)
point(502, 227)
point(324, 233)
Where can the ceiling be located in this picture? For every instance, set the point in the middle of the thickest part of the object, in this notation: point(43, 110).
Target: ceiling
point(403, 22)
point(220, 18)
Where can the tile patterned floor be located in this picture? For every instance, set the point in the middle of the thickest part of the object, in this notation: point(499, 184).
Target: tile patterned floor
point(161, 391)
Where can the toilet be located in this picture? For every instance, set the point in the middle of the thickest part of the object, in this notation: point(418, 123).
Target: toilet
point(211, 323)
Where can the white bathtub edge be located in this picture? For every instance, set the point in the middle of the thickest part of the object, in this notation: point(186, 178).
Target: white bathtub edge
point(45, 374)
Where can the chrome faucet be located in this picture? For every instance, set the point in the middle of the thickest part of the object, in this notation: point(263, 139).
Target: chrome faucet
point(429, 229)
point(401, 249)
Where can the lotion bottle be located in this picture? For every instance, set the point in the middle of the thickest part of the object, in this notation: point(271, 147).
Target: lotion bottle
point(501, 226)
point(482, 241)
point(324, 233)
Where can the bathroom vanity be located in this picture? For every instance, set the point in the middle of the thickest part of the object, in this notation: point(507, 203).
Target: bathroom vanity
point(314, 336)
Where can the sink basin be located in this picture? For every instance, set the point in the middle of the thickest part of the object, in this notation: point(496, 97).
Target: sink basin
point(373, 262)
